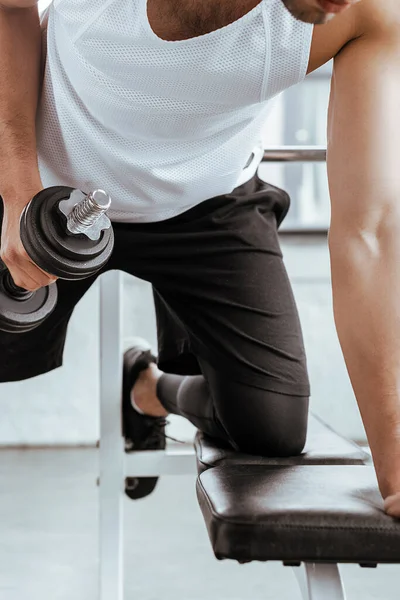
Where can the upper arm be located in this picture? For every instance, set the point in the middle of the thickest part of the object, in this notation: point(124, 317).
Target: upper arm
point(364, 124)
point(17, 3)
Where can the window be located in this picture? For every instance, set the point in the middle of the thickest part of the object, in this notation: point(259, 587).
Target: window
point(299, 117)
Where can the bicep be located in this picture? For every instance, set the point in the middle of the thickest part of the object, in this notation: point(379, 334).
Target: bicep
point(363, 131)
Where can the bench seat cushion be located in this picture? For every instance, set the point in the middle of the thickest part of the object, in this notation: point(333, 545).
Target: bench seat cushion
point(297, 513)
point(324, 446)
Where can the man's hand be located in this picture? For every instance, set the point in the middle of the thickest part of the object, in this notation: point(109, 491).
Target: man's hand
point(392, 505)
point(23, 271)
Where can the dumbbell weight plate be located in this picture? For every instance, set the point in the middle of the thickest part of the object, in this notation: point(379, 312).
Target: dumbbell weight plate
point(22, 315)
point(46, 240)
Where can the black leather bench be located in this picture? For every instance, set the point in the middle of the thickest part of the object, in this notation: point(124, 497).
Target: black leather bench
point(323, 447)
point(314, 511)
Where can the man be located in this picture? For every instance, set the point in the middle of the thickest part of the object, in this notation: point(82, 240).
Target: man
point(161, 102)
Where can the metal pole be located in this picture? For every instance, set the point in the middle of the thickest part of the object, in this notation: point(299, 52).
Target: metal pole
point(295, 154)
point(112, 455)
point(319, 581)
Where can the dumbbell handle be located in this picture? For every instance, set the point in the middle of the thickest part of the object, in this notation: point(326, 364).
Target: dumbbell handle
point(13, 290)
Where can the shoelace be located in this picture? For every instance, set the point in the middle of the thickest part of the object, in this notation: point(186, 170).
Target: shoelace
point(158, 432)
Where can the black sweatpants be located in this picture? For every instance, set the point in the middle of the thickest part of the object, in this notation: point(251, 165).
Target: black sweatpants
point(226, 316)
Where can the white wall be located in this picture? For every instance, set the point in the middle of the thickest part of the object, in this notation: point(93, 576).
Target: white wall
point(307, 261)
point(60, 407)
point(43, 4)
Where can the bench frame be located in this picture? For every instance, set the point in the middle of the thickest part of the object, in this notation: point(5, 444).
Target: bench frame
point(115, 465)
point(316, 581)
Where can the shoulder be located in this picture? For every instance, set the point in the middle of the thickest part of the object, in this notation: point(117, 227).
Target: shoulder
point(367, 17)
point(377, 15)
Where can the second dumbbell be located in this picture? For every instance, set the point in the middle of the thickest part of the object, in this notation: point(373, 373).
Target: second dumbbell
point(21, 310)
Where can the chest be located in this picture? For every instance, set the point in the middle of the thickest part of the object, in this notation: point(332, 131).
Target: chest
point(115, 57)
point(174, 20)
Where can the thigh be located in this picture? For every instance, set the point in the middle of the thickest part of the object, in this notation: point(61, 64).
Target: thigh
point(223, 283)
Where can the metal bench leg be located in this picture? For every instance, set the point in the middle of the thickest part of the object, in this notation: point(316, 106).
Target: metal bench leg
point(112, 454)
point(320, 581)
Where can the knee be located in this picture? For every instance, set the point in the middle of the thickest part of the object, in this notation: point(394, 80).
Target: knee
point(264, 423)
point(279, 430)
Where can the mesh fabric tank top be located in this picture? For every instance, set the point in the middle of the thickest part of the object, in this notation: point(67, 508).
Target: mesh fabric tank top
point(160, 125)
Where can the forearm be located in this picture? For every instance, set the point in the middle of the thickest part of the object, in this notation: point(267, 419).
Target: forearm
point(366, 292)
point(20, 55)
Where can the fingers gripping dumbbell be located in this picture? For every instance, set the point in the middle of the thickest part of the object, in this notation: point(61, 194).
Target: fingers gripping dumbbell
point(67, 234)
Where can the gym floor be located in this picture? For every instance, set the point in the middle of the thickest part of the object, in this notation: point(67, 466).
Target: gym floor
point(48, 549)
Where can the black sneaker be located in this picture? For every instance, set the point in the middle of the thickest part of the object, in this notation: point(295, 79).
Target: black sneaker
point(141, 432)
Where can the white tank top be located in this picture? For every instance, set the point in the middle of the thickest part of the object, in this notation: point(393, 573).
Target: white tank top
point(160, 125)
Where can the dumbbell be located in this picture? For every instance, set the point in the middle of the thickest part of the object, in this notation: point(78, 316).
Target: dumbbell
point(67, 234)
